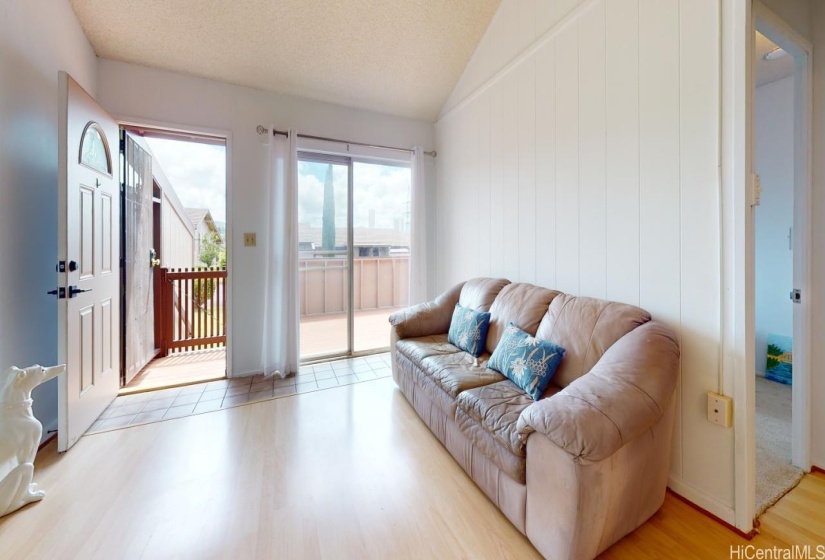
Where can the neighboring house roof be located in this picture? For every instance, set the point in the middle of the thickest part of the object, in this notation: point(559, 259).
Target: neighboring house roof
point(203, 215)
point(362, 236)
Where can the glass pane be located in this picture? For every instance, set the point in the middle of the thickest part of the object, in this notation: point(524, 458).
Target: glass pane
point(322, 254)
point(93, 150)
point(381, 246)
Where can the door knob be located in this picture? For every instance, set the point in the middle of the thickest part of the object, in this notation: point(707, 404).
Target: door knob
point(74, 290)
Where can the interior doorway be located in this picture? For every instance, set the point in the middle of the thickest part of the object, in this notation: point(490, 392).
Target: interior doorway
point(174, 259)
point(781, 144)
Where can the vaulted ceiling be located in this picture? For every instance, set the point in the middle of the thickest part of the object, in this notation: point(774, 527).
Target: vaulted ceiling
point(401, 57)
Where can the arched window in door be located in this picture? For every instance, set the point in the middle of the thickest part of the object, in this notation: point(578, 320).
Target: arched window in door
point(94, 149)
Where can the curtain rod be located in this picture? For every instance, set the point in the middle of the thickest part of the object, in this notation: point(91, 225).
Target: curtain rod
point(264, 130)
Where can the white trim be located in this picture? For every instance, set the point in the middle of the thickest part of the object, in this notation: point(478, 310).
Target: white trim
point(704, 501)
point(123, 120)
point(737, 246)
point(777, 30)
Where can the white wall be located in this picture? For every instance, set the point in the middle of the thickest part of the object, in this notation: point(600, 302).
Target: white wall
point(580, 151)
point(796, 13)
point(35, 43)
point(818, 238)
point(774, 162)
point(156, 95)
point(178, 241)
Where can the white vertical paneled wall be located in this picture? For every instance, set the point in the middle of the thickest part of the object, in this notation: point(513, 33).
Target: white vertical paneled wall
point(580, 151)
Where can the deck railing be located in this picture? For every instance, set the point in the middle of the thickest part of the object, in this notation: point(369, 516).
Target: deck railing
point(193, 309)
point(378, 283)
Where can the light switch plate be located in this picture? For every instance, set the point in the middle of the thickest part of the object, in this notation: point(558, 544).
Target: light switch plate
point(249, 240)
point(720, 409)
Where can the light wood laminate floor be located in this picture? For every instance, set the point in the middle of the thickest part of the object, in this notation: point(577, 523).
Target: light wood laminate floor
point(349, 472)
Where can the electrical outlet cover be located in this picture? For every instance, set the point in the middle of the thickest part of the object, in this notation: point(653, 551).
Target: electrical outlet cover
point(720, 409)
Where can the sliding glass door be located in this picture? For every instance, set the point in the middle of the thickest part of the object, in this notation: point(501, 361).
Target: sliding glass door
point(324, 257)
point(354, 249)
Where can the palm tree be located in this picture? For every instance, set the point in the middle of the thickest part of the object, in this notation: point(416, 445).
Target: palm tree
point(328, 231)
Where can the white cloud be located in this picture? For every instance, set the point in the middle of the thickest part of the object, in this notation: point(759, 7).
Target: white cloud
point(197, 173)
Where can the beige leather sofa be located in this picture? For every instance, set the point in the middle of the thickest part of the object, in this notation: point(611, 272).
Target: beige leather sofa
point(586, 464)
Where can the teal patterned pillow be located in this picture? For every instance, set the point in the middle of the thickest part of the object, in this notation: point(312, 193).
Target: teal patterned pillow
point(468, 330)
point(529, 362)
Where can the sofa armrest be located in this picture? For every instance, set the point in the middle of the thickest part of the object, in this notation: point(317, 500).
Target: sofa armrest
point(424, 319)
point(624, 395)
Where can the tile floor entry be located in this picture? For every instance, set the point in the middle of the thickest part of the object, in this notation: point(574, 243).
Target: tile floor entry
point(164, 404)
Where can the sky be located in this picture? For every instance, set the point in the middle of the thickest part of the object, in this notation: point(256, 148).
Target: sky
point(383, 188)
point(197, 173)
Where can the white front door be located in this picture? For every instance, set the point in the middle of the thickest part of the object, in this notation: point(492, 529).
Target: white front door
point(88, 252)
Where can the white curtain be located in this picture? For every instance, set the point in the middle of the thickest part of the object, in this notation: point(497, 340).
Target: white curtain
point(279, 351)
point(418, 241)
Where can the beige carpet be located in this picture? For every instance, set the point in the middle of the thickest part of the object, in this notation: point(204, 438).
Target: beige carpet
point(775, 476)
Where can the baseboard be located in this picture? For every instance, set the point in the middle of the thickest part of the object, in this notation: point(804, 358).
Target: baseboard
point(47, 440)
point(709, 505)
point(816, 469)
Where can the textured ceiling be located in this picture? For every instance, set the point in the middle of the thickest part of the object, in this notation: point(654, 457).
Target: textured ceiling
point(768, 71)
point(395, 56)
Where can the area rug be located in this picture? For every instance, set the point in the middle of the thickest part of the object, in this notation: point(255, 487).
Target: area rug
point(775, 476)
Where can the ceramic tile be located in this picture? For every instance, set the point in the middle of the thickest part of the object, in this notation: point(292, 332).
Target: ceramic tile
point(217, 394)
point(159, 404)
point(126, 410)
point(219, 384)
point(207, 406)
point(240, 381)
point(261, 386)
point(347, 379)
point(260, 395)
point(235, 400)
point(179, 411)
point(325, 374)
point(144, 417)
point(285, 390)
point(327, 383)
point(239, 390)
point(192, 389)
point(283, 382)
point(305, 387)
point(186, 399)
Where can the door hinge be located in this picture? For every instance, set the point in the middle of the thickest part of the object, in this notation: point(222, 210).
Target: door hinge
point(796, 296)
point(754, 190)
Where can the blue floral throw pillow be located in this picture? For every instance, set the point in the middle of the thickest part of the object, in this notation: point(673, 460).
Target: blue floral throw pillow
point(527, 361)
point(468, 330)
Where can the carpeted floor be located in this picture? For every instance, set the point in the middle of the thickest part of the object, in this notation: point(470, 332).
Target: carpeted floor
point(775, 475)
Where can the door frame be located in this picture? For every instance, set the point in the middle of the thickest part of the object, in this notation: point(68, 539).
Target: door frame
point(778, 31)
point(226, 135)
point(740, 278)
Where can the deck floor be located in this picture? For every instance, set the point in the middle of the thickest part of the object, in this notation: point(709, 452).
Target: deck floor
point(322, 335)
point(179, 369)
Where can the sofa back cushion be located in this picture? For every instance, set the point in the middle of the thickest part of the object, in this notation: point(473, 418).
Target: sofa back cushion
point(478, 294)
point(521, 304)
point(585, 328)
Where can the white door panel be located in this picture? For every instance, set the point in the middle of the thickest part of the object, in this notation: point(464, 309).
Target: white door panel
point(88, 242)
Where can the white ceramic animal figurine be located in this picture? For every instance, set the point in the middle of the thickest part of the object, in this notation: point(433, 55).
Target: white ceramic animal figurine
point(20, 435)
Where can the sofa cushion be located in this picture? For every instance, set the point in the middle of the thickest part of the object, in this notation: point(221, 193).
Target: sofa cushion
point(468, 329)
point(478, 294)
point(488, 416)
point(521, 304)
point(585, 328)
point(455, 373)
point(416, 349)
point(527, 361)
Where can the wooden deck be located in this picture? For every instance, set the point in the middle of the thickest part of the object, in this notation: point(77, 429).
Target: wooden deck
point(179, 369)
point(327, 334)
